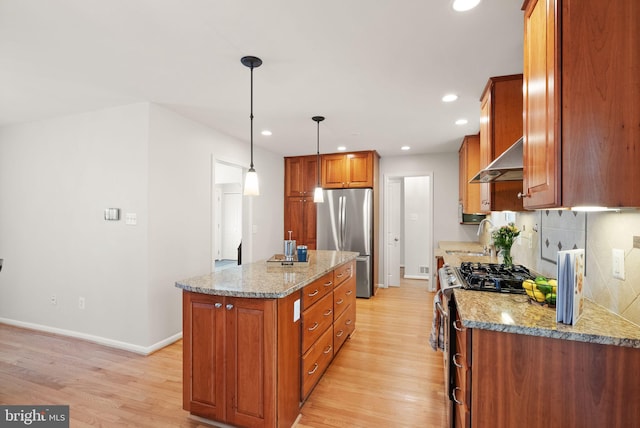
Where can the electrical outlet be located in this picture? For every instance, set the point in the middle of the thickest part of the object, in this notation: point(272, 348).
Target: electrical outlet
point(636, 242)
point(53, 299)
point(617, 263)
point(81, 302)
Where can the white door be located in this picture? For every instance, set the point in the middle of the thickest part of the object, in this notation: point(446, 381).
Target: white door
point(232, 221)
point(394, 239)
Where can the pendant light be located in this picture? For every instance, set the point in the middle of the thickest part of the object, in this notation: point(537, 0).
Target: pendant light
point(251, 187)
point(317, 193)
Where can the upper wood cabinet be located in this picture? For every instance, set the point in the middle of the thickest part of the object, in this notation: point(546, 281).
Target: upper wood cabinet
point(581, 103)
point(500, 127)
point(469, 158)
point(349, 170)
point(300, 175)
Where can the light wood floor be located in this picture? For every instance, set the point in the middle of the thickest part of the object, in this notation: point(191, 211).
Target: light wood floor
point(386, 375)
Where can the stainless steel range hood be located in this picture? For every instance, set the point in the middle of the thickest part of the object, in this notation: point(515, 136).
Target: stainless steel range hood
point(506, 167)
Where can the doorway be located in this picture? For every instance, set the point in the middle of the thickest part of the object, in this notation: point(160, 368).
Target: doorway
point(408, 237)
point(227, 215)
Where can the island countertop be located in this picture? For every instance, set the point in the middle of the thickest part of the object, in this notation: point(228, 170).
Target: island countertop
point(267, 280)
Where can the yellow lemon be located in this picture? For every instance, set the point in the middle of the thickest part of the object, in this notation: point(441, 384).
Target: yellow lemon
point(528, 284)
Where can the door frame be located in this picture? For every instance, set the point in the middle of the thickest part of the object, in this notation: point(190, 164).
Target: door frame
point(386, 210)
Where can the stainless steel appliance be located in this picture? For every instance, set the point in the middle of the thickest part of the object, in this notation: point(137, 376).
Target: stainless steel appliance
point(493, 277)
point(345, 223)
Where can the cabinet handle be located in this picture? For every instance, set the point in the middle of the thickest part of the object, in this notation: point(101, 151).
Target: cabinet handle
point(315, 367)
point(313, 327)
point(329, 348)
point(455, 362)
point(348, 322)
point(340, 333)
point(328, 284)
point(218, 305)
point(349, 293)
point(314, 293)
point(339, 302)
point(523, 195)
point(340, 275)
point(329, 312)
point(229, 306)
point(453, 395)
point(457, 327)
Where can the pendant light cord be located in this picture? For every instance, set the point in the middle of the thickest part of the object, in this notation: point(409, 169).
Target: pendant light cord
point(318, 152)
point(251, 119)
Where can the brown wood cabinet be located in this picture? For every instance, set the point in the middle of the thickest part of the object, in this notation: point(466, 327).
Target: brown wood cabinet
point(469, 165)
point(500, 127)
point(300, 180)
point(462, 375)
point(328, 318)
point(349, 170)
point(241, 359)
point(533, 382)
point(581, 103)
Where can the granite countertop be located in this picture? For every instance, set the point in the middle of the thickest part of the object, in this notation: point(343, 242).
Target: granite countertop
point(267, 280)
point(511, 313)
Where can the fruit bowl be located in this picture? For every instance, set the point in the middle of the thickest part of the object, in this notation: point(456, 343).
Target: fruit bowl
point(541, 291)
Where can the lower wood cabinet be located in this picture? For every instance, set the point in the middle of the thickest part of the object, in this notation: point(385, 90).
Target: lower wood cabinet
point(241, 359)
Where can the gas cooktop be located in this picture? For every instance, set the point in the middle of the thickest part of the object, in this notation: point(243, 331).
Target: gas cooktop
point(493, 277)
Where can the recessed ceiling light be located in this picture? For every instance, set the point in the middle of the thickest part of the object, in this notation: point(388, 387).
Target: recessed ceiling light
point(405, 148)
point(449, 98)
point(462, 122)
point(464, 5)
point(266, 132)
point(342, 148)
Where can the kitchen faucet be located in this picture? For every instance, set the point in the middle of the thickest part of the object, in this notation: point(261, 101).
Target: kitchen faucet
point(487, 248)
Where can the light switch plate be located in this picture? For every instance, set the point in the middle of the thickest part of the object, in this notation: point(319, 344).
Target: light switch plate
point(617, 263)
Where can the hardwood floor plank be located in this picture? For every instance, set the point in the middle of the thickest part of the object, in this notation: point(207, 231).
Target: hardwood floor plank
point(385, 375)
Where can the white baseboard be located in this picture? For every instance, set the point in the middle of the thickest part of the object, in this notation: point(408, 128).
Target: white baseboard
point(416, 277)
point(144, 350)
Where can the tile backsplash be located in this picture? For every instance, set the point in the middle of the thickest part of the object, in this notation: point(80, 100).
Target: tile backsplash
point(543, 233)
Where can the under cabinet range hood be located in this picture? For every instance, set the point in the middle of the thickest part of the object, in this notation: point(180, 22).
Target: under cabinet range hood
point(506, 167)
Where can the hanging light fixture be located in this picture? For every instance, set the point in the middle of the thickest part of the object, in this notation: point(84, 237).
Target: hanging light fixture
point(251, 180)
point(317, 193)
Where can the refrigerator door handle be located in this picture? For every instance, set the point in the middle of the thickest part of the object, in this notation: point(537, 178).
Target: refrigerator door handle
point(343, 220)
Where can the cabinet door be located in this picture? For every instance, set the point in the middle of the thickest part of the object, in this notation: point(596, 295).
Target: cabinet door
point(334, 171)
point(251, 361)
point(300, 175)
point(469, 163)
point(300, 219)
point(203, 355)
point(541, 182)
point(486, 154)
point(359, 169)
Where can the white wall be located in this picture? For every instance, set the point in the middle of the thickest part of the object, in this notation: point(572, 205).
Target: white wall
point(444, 167)
point(57, 177)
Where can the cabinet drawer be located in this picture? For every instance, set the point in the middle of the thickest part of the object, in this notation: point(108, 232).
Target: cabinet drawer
point(316, 320)
point(463, 343)
point(342, 273)
point(317, 290)
point(316, 360)
point(344, 326)
point(343, 296)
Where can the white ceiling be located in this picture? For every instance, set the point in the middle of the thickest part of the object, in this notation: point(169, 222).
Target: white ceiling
point(376, 69)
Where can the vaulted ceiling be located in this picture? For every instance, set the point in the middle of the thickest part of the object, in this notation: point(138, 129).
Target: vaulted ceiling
point(376, 69)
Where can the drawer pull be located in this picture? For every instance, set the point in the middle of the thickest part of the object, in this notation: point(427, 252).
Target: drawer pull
point(314, 293)
point(340, 275)
point(329, 348)
point(229, 306)
point(313, 327)
point(349, 293)
point(329, 312)
point(458, 326)
point(315, 367)
point(453, 396)
point(339, 302)
point(218, 305)
point(328, 284)
point(349, 321)
point(340, 333)
point(455, 362)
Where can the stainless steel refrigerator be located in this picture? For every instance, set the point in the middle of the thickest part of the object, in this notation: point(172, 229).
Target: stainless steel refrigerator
point(345, 223)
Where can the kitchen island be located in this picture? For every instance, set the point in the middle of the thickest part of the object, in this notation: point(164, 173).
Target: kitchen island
point(514, 365)
point(258, 337)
